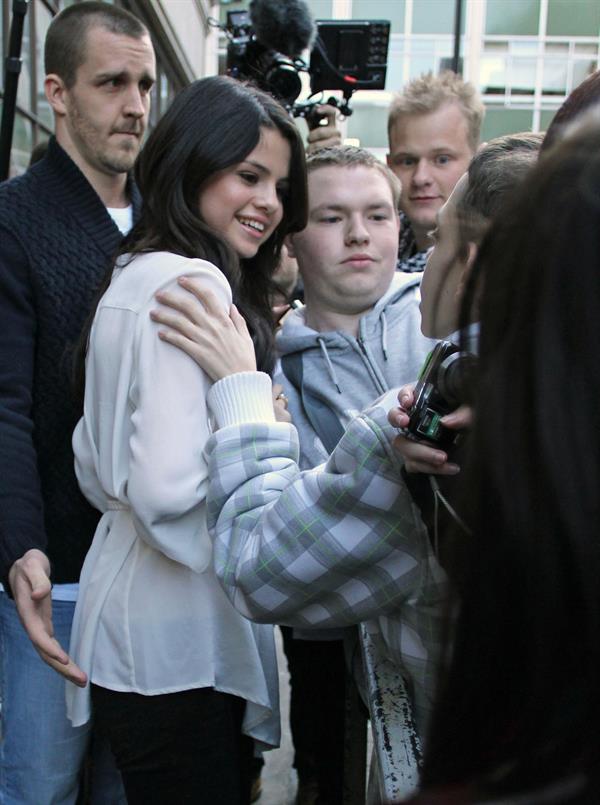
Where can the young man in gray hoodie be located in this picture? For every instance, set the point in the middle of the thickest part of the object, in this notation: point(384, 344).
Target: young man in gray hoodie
point(359, 332)
point(357, 336)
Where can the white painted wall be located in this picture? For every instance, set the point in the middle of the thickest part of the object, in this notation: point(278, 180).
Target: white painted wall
point(186, 23)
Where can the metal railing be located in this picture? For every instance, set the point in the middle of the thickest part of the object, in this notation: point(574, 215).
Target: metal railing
point(396, 742)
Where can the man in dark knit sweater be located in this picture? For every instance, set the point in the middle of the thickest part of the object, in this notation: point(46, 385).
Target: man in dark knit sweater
point(60, 225)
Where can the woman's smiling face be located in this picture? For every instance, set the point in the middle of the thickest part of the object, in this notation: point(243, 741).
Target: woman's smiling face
point(243, 203)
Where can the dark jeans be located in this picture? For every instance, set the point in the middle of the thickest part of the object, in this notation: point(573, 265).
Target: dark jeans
point(184, 747)
point(317, 710)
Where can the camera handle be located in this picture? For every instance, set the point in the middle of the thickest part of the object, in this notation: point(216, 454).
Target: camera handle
point(308, 109)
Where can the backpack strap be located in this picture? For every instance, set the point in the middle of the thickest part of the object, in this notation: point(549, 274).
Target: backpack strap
point(325, 422)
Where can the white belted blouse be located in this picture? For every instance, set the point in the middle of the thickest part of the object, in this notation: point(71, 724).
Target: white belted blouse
point(151, 617)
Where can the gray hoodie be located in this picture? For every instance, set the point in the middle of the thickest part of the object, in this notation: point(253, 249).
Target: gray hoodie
point(348, 373)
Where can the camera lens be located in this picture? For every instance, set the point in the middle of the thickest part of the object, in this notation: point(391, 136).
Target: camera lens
point(284, 82)
point(455, 376)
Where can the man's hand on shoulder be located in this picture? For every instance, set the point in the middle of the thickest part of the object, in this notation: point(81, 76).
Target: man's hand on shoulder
point(29, 580)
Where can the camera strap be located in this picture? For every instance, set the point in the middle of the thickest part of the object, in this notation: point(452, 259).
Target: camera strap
point(439, 497)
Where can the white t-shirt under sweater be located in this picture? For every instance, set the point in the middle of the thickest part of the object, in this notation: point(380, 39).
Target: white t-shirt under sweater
point(151, 617)
point(123, 217)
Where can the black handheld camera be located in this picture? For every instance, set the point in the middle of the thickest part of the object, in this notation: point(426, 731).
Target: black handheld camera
point(443, 385)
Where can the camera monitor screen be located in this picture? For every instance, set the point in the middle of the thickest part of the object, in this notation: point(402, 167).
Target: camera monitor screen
point(349, 53)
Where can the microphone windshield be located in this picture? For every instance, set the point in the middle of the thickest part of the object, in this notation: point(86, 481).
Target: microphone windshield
point(286, 26)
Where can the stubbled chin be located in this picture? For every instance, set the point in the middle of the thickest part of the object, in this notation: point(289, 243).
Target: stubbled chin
point(121, 162)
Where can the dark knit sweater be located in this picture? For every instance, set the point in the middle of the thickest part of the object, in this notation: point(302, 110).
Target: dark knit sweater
point(56, 242)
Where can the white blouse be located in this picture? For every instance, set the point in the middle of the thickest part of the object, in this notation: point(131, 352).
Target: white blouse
point(151, 616)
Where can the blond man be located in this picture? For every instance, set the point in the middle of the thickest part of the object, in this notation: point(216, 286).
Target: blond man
point(434, 127)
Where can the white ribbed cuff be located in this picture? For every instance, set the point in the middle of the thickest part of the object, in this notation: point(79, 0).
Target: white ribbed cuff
point(242, 397)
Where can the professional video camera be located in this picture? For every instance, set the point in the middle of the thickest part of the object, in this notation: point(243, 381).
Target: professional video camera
point(266, 45)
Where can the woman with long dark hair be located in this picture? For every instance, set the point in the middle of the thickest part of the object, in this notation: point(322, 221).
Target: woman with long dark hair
point(180, 682)
point(519, 707)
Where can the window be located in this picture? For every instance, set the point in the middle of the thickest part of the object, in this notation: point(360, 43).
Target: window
point(507, 17)
point(369, 125)
point(582, 68)
point(22, 144)
point(522, 76)
point(321, 9)
point(43, 19)
point(546, 117)
point(505, 121)
point(24, 88)
point(554, 80)
point(392, 10)
point(435, 17)
point(573, 18)
point(225, 8)
point(393, 78)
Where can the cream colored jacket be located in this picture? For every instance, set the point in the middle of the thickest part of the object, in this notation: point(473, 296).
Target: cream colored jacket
point(151, 616)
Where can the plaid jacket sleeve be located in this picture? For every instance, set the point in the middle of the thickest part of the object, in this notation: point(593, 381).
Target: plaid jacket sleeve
point(327, 547)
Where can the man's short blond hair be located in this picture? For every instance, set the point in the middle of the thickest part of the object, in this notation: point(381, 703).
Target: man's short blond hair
point(349, 156)
point(429, 92)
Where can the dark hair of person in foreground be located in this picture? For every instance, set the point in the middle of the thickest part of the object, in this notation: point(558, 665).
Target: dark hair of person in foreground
point(580, 100)
point(211, 125)
point(519, 706)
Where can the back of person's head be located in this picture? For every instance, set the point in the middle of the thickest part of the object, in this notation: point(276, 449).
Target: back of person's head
point(349, 156)
point(494, 173)
point(581, 99)
point(520, 704)
point(492, 177)
point(65, 45)
point(428, 93)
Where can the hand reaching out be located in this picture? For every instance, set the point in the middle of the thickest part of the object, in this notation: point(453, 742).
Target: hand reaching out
point(327, 135)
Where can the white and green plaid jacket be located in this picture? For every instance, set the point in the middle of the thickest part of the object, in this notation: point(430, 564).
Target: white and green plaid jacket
point(328, 547)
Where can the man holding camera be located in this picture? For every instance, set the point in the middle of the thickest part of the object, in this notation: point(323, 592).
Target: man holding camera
point(60, 224)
